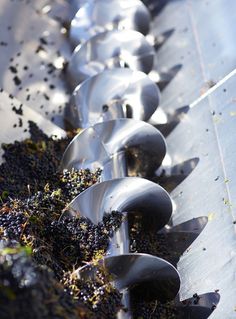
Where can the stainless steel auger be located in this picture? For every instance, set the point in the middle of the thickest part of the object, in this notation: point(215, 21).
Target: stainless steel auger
point(121, 147)
point(126, 94)
point(143, 146)
point(102, 15)
point(107, 50)
point(127, 195)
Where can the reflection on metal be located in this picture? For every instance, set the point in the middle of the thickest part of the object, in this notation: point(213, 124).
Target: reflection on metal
point(126, 93)
point(101, 15)
point(209, 190)
point(158, 278)
point(126, 48)
point(143, 145)
point(130, 194)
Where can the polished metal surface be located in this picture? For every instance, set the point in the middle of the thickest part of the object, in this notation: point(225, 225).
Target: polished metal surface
point(143, 144)
point(117, 48)
point(126, 93)
point(130, 194)
point(32, 57)
point(210, 263)
point(154, 276)
point(14, 117)
point(199, 306)
point(101, 15)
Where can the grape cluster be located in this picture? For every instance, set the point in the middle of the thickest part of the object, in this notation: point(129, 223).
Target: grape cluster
point(29, 291)
point(55, 196)
point(76, 240)
point(12, 224)
point(153, 243)
point(60, 242)
point(98, 294)
point(74, 182)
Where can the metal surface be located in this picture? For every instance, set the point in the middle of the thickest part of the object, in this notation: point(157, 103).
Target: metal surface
point(32, 57)
point(199, 306)
point(126, 93)
point(14, 121)
point(210, 263)
point(158, 278)
point(201, 43)
point(180, 237)
point(195, 225)
point(101, 15)
point(130, 194)
point(107, 50)
point(143, 144)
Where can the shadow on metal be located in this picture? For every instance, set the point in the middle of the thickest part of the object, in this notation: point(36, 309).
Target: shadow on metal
point(168, 243)
point(179, 238)
point(172, 120)
point(162, 38)
point(171, 177)
point(167, 76)
point(198, 307)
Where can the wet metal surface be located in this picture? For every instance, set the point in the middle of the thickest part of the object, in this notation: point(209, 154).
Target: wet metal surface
point(190, 61)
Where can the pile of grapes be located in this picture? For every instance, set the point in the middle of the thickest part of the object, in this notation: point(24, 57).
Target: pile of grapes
point(40, 246)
